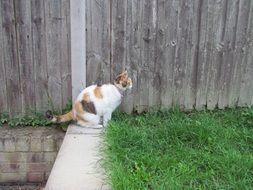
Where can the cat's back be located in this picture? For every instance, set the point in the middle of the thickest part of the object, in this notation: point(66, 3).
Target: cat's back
point(88, 90)
point(100, 93)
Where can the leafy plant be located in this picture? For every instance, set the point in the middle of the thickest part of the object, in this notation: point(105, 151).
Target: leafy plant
point(34, 120)
point(4, 117)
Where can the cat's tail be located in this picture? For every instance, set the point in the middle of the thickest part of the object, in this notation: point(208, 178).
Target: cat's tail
point(59, 118)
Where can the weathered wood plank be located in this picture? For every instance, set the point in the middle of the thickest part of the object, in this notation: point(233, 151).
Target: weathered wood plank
point(154, 64)
point(227, 59)
point(10, 58)
point(24, 41)
point(192, 22)
point(39, 54)
point(216, 48)
point(118, 22)
point(210, 53)
point(128, 101)
point(65, 53)
point(53, 35)
point(134, 51)
point(169, 48)
point(246, 85)
point(240, 43)
point(3, 90)
point(147, 45)
point(180, 54)
point(201, 57)
point(98, 41)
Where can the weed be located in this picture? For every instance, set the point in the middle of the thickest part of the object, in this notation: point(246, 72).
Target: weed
point(35, 119)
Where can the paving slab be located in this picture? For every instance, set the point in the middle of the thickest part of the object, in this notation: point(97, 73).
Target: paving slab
point(77, 163)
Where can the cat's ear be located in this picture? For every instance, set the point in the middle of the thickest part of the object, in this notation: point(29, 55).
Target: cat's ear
point(125, 73)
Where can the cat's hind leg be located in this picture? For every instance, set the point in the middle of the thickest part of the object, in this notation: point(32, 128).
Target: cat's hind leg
point(89, 120)
point(106, 118)
point(89, 125)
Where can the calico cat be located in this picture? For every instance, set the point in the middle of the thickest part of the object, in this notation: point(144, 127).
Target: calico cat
point(96, 102)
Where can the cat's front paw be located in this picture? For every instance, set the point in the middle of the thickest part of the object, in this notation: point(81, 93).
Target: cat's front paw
point(99, 126)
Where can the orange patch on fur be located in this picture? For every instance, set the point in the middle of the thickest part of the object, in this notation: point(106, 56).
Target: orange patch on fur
point(86, 97)
point(78, 108)
point(97, 92)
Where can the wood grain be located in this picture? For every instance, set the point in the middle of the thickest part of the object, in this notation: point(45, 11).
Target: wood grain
point(3, 90)
point(98, 41)
point(39, 54)
point(53, 34)
point(24, 50)
point(10, 49)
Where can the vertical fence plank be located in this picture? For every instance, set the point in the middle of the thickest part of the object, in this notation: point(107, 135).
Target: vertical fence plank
point(118, 36)
point(227, 58)
point(39, 54)
point(53, 33)
point(201, 57)
point(215, 49)
point(167, 57)
point(147, 56)
point(3, 90)
point(128, 100)
point(246, 85)
point(121, 45)
point(133, 51)
point(10, 58)
point(98, 41)
point(180, 54)
point(154, 64)
point(24, 37)
point(210, 53)
point(65, 53)
point(192, 11)
point(240, 43)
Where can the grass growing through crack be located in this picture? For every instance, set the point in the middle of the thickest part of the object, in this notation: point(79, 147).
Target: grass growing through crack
point(176, 150)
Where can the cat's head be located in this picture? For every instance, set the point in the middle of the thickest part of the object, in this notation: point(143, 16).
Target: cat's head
point(122, 81)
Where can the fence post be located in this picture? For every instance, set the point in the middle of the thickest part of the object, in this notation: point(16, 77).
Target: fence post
point(78, 46)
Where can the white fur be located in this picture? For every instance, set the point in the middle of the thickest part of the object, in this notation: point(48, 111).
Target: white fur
point(104, 106)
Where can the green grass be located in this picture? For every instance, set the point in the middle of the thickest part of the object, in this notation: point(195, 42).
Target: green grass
point(176, 150)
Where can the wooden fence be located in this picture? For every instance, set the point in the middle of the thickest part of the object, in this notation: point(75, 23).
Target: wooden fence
point(189, 53)
point(35, 70)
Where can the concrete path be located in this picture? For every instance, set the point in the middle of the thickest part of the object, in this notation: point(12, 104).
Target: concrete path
point(76, 166)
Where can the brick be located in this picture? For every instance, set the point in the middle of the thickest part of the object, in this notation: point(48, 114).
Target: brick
point(47, 174)
point(35, 177)
point(49, 166)
point(13, 177)
point(50, 156)
point(12, 167)
point(9, 144)
point(23, 144)
point(58, 143)
point(13, 157)
point(37, 167)
point(36, 145)
point(49, 144)
point(1, 144)
point(35, 157)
